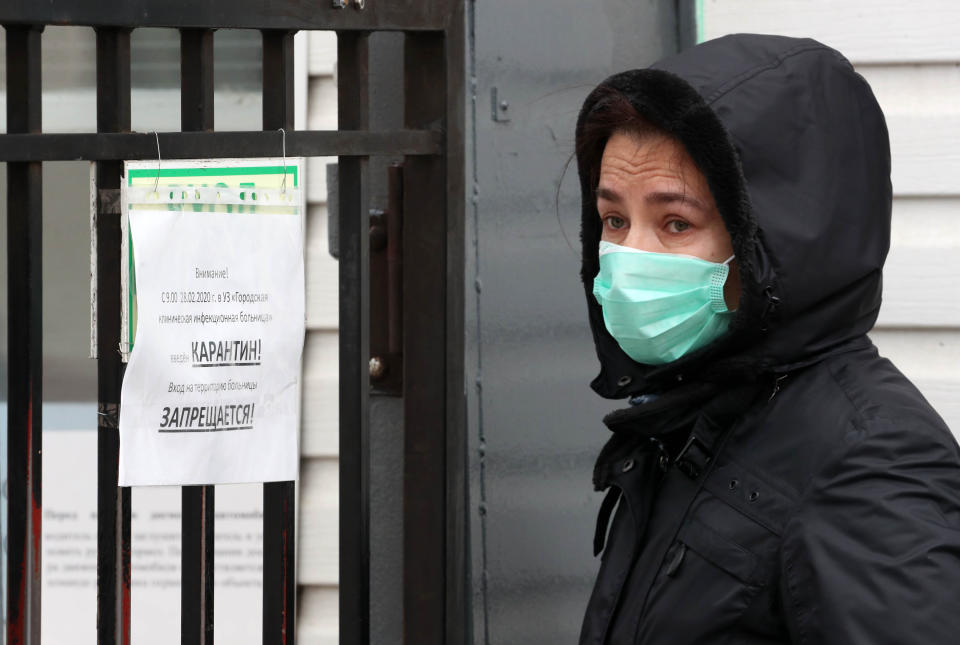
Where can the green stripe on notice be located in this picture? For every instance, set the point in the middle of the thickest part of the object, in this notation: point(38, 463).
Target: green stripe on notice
point(210, 172)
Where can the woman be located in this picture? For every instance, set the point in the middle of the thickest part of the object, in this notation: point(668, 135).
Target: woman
point(774, 480)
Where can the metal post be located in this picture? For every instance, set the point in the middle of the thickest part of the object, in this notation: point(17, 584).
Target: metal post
point(196, 558)
point(24, 342)
point(424, 348)
point(279, 498)
point(113, 503)
point(458, 590)
point(353, 114)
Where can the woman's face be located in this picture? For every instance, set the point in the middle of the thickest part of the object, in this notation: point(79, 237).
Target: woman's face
point(651, 196)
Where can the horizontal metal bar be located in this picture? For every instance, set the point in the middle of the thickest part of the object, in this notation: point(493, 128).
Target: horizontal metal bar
point(197, 145)
point(290, 15)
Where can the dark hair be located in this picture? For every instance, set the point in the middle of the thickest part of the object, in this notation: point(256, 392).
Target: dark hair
point(612, 113)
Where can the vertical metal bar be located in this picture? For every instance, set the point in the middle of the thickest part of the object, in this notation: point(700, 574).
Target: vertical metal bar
point(196, 80)
point(24, 342)
point(279, 498)
point(113, 503)
point(196, 556)
point(458, 589)
point(353, 62)
point(424, 325)
point(278, 97)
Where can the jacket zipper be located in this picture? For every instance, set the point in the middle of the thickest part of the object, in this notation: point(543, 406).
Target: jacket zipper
point(664, 462)
point(644, 608)
point(776, 386)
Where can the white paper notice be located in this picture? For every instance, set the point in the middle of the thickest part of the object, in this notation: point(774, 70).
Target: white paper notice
point(210, 393)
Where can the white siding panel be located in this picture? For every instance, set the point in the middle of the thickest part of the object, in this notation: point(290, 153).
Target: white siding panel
point(926, 222)
point(319, 616)
point(318, 538)
point(321, 115)
point(915, 89)
point(864, 30)
point(322, 270)
point(925, 151)
point(322, 102)
point(319, 523)
point(920, 288)
point(301, 77)
point(323, 53)
point(922, 106)
point(320, 428)
point(925, 239)
point(931, 359)
point(317, 179)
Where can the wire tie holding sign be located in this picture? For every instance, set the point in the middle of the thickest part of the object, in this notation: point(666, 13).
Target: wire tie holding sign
point(110, 415)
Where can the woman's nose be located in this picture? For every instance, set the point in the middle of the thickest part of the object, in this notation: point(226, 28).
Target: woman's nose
point(642, 238)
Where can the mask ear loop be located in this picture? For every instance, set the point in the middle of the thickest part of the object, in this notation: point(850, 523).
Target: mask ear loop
point(156, 183)
point(717, 286)
point(283, 185)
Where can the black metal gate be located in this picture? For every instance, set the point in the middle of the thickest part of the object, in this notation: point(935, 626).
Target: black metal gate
point(430, 294)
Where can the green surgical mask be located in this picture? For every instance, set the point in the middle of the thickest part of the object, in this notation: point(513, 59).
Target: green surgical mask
point(660, 306)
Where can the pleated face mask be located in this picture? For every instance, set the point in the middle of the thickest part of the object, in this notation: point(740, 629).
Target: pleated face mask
point(660, 306)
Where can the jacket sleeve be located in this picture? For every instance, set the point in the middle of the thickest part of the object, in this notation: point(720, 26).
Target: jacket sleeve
point(872, 555)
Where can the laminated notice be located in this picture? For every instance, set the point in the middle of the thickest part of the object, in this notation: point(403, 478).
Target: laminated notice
point(211, 390)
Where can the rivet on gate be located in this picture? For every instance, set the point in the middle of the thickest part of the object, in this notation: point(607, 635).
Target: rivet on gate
point(627, 465)
point(624, 380)
point(377, 368)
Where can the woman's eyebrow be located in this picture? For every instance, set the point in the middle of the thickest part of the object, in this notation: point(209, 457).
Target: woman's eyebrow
point(668, 197)
point(608, 194)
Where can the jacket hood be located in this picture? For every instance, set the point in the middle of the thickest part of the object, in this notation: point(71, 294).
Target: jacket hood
point(795, 150)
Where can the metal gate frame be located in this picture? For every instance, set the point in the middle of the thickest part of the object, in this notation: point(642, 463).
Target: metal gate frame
point(435, 569)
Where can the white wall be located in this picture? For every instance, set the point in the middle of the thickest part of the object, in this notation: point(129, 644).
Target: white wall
point(910, 54)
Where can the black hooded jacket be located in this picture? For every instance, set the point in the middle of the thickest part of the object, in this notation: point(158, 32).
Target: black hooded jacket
point(787, 484)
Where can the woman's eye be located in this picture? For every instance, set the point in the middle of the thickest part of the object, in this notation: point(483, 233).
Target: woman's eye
point(615, 222)
point(678, 225)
